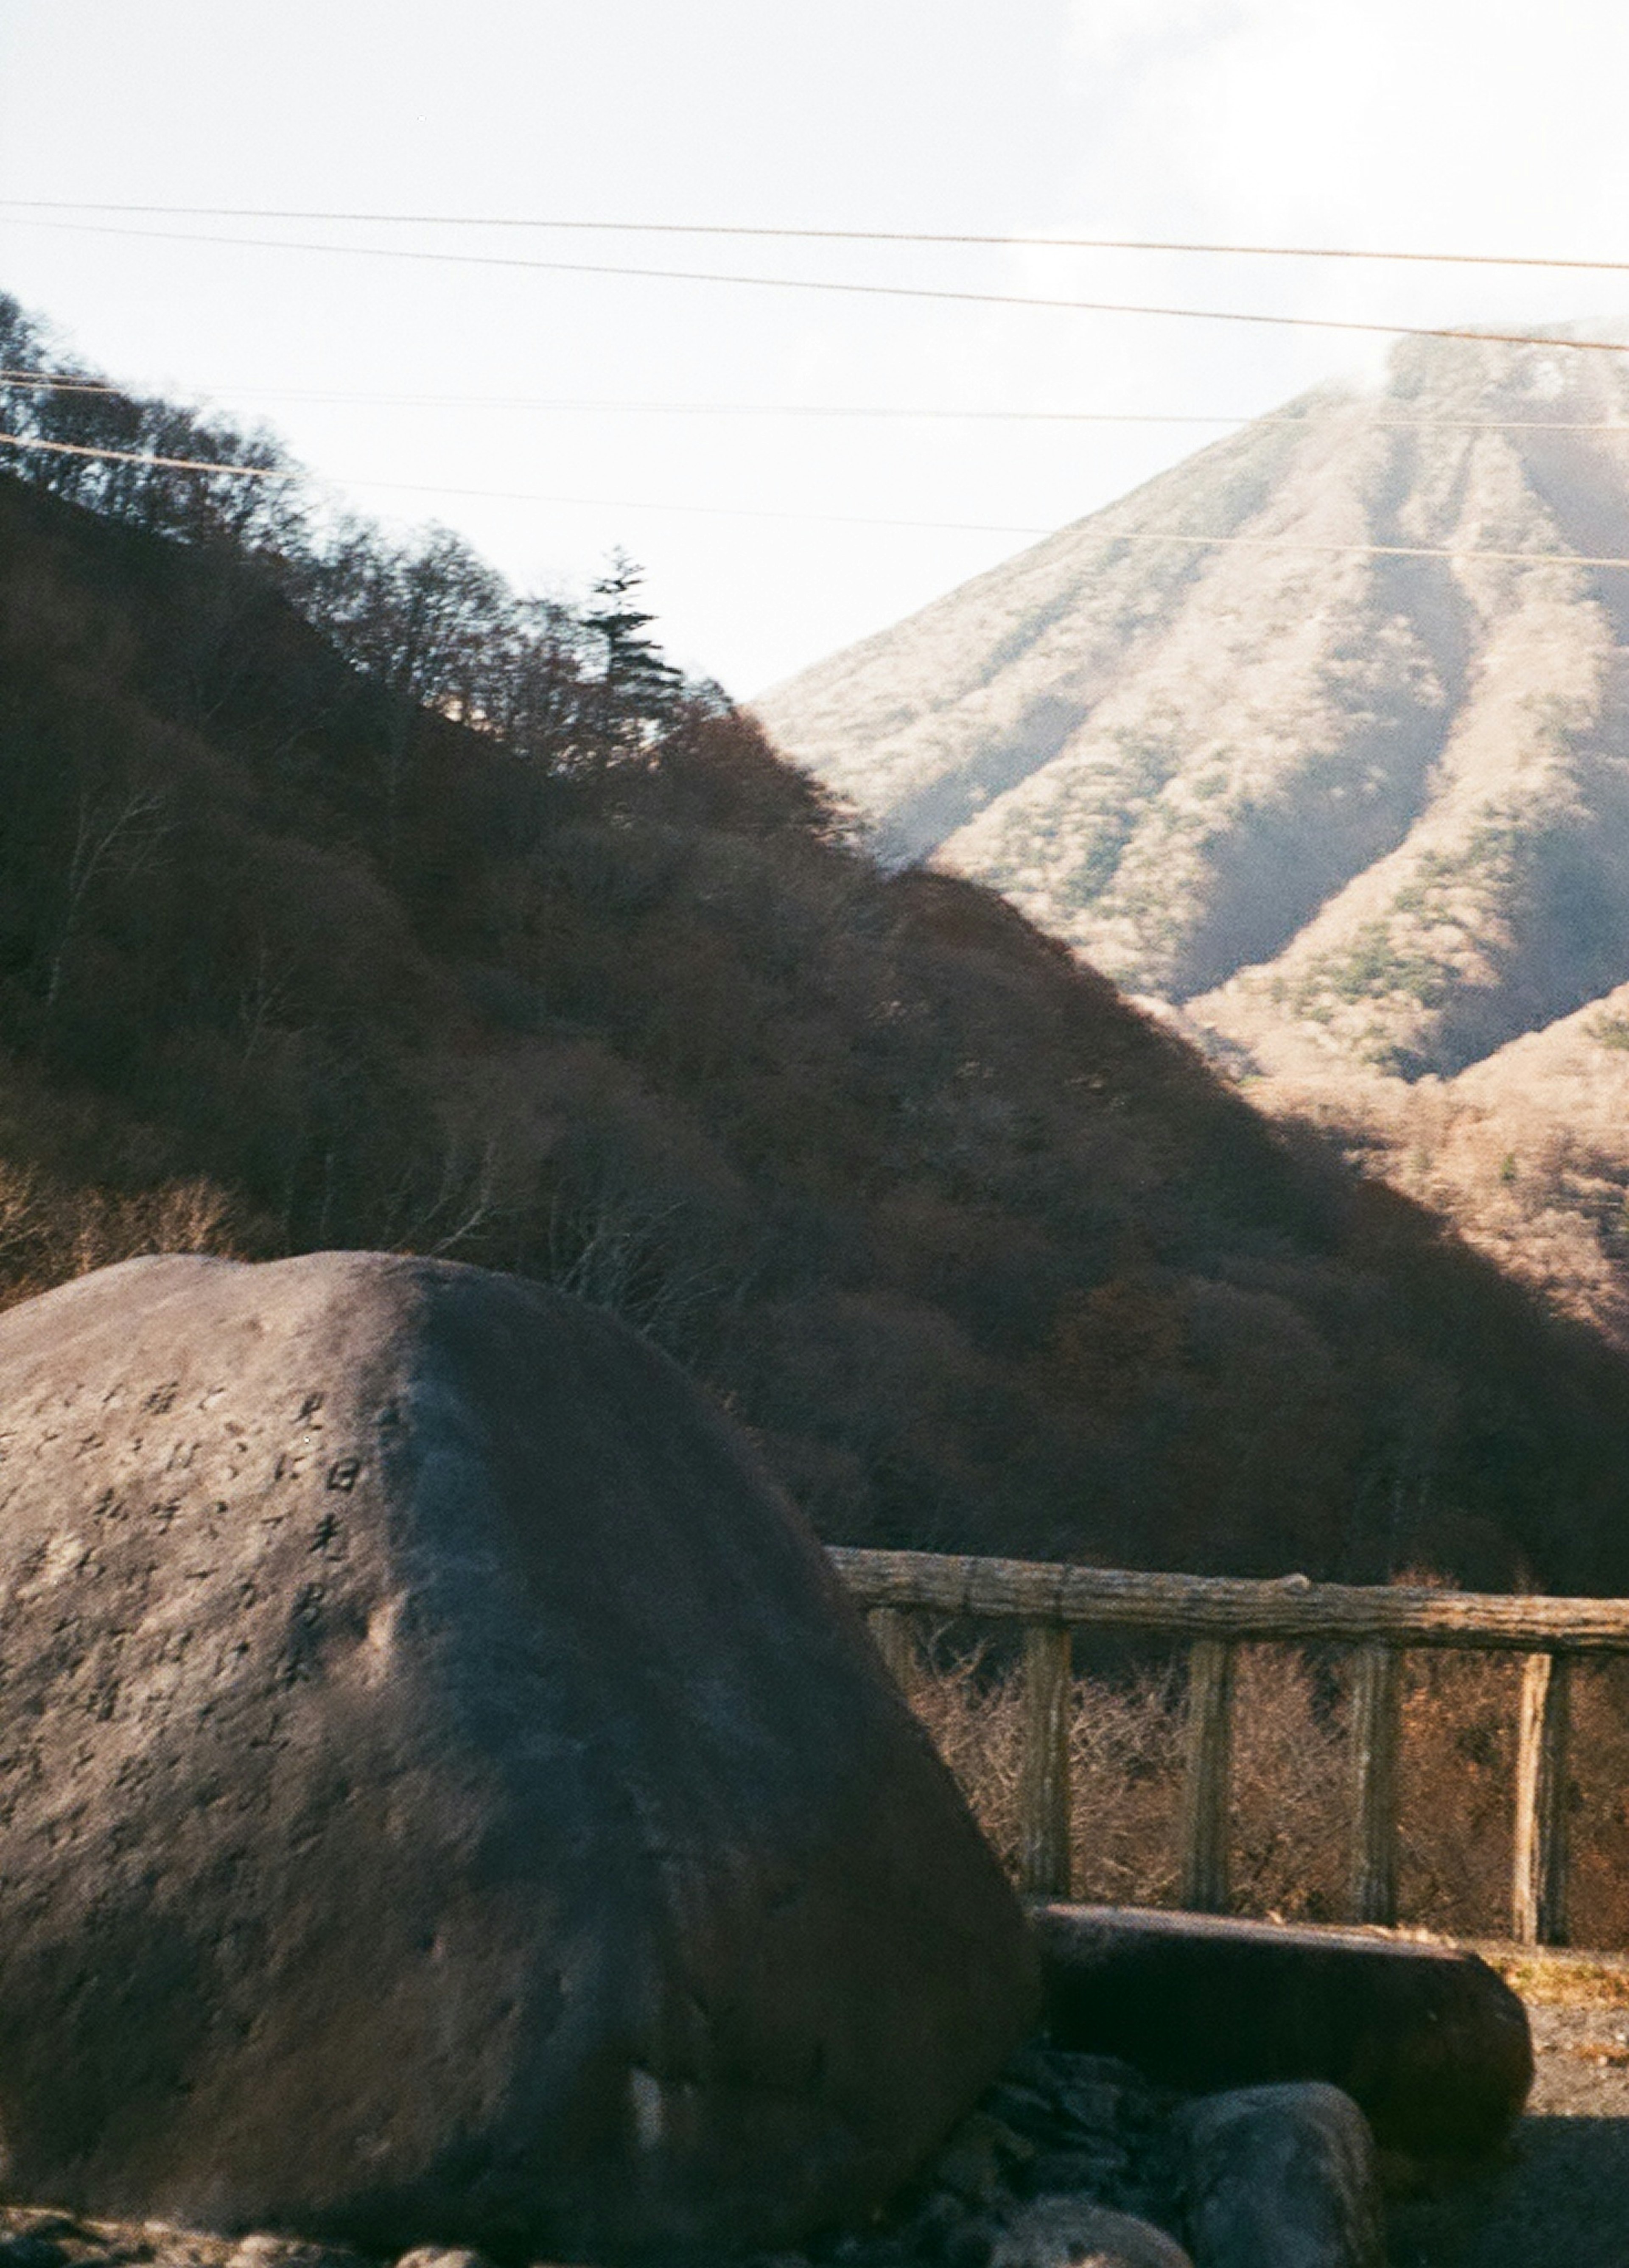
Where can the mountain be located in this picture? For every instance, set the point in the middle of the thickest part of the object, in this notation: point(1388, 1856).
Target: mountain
point(1345, 807)
point(594, 988)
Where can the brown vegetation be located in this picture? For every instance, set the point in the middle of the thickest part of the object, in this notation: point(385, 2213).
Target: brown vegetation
point(1527, 1154)
point(1291, 1793)
point(594, 988)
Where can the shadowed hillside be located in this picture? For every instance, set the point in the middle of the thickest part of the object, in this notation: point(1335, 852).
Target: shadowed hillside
point(601, 991)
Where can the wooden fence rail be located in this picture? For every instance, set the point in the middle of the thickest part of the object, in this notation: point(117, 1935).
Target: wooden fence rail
point(1218, 1613)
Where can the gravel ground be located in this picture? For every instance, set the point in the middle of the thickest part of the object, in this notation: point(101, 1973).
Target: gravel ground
point(1560, 2199)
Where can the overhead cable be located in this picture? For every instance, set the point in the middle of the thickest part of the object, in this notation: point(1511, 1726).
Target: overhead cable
point(48, 381)
point(967, 237)
point(142, 457)
point(1108, 535)
point(850, 289)
point(58, 382)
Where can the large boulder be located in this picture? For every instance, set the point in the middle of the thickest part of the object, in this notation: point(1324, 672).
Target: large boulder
point(1430, 2042)
point(445, 1795)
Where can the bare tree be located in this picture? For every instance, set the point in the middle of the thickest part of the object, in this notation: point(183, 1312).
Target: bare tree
point(119, 821)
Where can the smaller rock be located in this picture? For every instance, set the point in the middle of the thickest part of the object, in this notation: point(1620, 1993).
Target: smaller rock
point(969, 2245)
point(433, 2255)
point(264, 2250)
point(943, 2225)
point(1096, 2099)
point(1065, 2232)
point(166, 2242)
point(1025, 2109)
point(979, 2158)
point(1091, 2173)
point(1098, 2128)
point(31, 2252)
point(1281, 2176)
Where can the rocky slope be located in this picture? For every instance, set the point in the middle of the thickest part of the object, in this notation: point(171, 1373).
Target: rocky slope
point(1348, 807)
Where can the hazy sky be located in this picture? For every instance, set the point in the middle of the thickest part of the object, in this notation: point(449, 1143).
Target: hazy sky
point(1444, 124)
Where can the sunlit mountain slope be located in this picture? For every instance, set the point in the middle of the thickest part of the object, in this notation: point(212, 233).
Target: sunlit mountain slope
point(1348, 806)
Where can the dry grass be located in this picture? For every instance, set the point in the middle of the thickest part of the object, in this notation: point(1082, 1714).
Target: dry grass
point(1566, 1981)
point(52, 1230)
point(1291, 1787)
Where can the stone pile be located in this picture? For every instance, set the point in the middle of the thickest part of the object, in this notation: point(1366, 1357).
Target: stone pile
point(1055, 2126)
point(1072, 2159)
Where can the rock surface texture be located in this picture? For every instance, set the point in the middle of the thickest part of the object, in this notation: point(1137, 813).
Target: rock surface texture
point(1064, 2232)
point(1433, 2044)
point(444, 1795)
point(1282, 2177)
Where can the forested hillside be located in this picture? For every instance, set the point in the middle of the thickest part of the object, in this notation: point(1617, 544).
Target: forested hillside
point(348, 899)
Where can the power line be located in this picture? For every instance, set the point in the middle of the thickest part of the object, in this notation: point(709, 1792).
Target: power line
point(917, 292)
point(977, 527)
point(51, 381)
point(1110, 535)
point(46, 381)
point(142, 457)
point(819, 235)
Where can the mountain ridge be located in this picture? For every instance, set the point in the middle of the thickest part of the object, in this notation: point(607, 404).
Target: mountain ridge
point(1343, 807)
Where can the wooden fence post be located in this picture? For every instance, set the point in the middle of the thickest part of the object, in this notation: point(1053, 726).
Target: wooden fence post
point(1372, 1894)
point(1538, 1885)
point(893, 1631)
point(1205, 1808)
point(1215, 1614)
point(1044, 1869)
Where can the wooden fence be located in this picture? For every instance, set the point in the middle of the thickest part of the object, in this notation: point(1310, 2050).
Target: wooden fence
point(1216, 1614)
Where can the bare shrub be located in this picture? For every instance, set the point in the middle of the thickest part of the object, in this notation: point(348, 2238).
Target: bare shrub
point(975, 1716)
point(1599, 1804)
point(192, 1215)
point(1458, 1792)
point(1290, 1798)
point(1125, 1753)
point(1125, 1748)
point(52, 1230)
point(1292, 1793)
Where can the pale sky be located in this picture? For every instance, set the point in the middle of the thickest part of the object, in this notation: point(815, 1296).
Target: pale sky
point(1434, 124)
